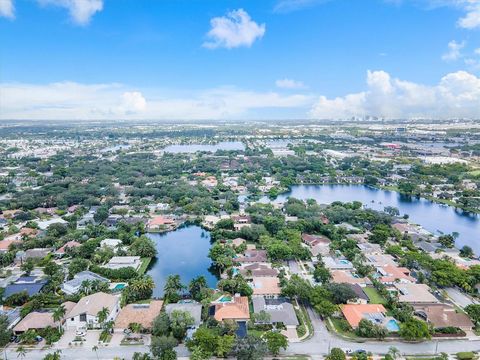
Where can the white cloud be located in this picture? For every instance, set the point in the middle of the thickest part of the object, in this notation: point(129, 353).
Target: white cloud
point(74, 101)
point(7, 9)
point(456, 95)
point(134, 101)
point(289, 84)
point(454, 51)
point(81, 11)
point(233, 30)
point(472, 18)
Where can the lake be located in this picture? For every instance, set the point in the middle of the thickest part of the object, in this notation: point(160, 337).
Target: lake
point(193, 148)
point(183, 252)
point(436, 218)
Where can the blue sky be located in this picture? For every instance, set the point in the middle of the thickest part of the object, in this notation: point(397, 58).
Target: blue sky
point(198, 59)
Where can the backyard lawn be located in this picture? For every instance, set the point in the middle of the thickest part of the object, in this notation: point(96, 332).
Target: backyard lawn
point(374, 296)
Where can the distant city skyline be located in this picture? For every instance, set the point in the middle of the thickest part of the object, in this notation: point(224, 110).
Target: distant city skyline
point(250, 59)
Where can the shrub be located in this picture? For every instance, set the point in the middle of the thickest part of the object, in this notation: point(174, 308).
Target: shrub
point(465, 355)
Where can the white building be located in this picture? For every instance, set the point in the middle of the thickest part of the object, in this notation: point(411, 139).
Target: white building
point(119, 262)
point(85, 313)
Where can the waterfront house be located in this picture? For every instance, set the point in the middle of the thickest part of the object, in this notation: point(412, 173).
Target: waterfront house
point(253, 256)
point(72, 287)
point(119, 262)
point(142, 314)
point(268, 286)
point(85, 313)
point(192, 307)
point(235, 308)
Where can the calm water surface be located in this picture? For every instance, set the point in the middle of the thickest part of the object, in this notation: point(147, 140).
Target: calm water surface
point(183, 252)
point(193, 148)
point(432, 216)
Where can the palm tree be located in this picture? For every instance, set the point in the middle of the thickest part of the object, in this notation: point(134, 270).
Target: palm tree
point(172, 286)
point(196, 286)
point(58, 315)
point(86, 287)
point(21, 352)
point(95, 348)
point(102, 315)
point(393, 351)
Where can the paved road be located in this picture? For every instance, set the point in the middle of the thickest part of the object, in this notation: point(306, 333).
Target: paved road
point(459, 298)
point(322, 340)
point(318, 345)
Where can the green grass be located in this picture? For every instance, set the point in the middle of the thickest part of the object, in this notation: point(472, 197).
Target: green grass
point(143, 268)
point(337, 328)
point(304, 322)
point(374, 296)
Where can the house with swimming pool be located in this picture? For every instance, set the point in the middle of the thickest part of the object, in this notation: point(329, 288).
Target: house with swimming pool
point(376, 313)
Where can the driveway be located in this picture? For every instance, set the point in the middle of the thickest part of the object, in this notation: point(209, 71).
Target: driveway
point(66, 338)
point(460, 299)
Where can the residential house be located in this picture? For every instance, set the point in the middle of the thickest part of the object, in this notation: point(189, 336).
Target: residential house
point(161, 222)
point(257, 270)
point(370, 249)
point(13, 315)
point(29, 284)
point(112, 220)
point(142, 314)
point(43, 225)
point(193, 308)
point(281, 312)
point(337, 264)
point(111, 243)
point(391, 274)
point(37, 253)
point(85, 313)
point(119, 262)
point(266, 286)
point(69, 245)
point(35, 320)
point(253, 256)
point(348, 277)
point(360, 295)
point(318, 244)
point(72, 287)
point(415, 294)
point(240, 221)
point(355, 313)
point(237, 308)
point(442, 316)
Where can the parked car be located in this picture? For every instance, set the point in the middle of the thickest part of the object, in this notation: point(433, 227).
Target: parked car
point(81, 333)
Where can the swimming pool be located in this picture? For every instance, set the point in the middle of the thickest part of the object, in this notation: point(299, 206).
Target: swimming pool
point(118, 287)
point(224, 299)
point(392, 325)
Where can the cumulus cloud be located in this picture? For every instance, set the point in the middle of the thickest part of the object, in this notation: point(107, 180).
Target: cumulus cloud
point(289, 84)
point(81, 11)
point(236, 29)
point(74, 101)
point(134, 101)
point(454, 51)
point(472, 18)
point(7, 9)
point(456, 95)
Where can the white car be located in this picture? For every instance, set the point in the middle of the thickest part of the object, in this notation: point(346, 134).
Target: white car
point(81, 333)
